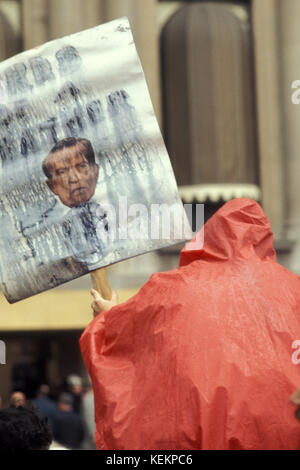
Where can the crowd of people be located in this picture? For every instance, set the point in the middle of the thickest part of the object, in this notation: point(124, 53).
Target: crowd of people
point(64, 422)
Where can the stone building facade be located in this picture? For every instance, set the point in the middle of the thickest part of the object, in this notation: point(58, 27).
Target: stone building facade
point(220, 77)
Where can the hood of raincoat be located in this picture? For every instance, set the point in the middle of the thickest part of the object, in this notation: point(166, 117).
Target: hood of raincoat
point(202, 357)
point(239, 229)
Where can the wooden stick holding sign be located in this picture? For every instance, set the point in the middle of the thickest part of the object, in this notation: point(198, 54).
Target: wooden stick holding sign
point(103, 297)
point(100, 283)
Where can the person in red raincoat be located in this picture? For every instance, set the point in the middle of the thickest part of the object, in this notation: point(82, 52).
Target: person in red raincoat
point(201, 357)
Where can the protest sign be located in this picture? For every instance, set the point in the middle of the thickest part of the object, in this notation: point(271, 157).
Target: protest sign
point(85, 178)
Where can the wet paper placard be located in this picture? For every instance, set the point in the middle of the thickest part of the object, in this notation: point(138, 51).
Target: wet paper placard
point(84, 170)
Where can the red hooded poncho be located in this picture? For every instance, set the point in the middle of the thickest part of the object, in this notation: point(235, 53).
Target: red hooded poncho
point(201, 357)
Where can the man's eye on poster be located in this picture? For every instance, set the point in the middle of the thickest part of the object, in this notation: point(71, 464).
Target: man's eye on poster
point(84, 170)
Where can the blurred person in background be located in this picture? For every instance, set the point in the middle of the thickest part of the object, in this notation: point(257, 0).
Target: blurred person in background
point(295, 399)
point(75, 388)
point(17, 399)
point(44, 405)
point(68, 425)
point(88, 413)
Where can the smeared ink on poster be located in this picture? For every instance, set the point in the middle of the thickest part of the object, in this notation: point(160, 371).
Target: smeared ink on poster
point(77, 133)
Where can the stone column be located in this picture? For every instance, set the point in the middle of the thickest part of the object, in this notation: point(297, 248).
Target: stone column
point(265, 18)
point(50, 19)
point(72, 16)
point(142, 15)
point(35, 16)
point(93, 13)
point(289, 33)
point(66, 17)
point(3, 38)
point(10, 29)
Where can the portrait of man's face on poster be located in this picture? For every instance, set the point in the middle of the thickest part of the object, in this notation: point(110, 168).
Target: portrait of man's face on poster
point(71, 171)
